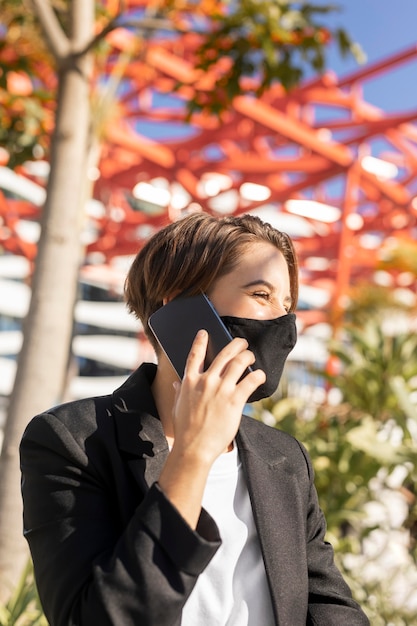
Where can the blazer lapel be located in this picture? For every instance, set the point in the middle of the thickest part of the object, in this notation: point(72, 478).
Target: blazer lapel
point(278, 512)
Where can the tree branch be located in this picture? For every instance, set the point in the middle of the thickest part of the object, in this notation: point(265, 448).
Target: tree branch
point(56, 39)
point(145, 24)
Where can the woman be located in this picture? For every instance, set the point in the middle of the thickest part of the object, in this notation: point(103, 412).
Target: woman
point(161, 504)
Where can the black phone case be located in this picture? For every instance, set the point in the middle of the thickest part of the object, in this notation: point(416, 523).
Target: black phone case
point(176, 324)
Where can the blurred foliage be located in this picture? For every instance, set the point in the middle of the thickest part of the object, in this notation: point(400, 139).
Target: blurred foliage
point(23, 608)
point(397, 264)
point(357, 443)
point(269, 41)
point(400, 255)
point(369, 366)
point(379, 303)
point(27, 85)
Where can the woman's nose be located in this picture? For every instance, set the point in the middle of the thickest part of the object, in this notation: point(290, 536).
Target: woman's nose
point(281, 309)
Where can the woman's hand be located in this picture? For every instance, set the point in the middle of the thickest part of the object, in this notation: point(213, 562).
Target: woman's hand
point(209, 404)
point(207, 413)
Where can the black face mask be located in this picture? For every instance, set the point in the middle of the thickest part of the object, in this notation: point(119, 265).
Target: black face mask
point(271, 341)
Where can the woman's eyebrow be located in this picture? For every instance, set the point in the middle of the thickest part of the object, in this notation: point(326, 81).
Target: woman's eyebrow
point(260, 281)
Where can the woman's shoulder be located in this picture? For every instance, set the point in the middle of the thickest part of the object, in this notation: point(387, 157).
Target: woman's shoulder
point(83, 417)
point(71, 423)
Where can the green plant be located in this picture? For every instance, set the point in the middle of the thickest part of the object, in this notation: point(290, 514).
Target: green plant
point(371, 366)
point(23, 607)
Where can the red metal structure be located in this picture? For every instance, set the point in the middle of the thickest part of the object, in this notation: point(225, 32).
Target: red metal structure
point(343, 168)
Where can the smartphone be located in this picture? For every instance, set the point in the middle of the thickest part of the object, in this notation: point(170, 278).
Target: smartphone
point(176, 324)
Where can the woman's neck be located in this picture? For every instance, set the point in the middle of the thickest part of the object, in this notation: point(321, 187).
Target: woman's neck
point(164, 395)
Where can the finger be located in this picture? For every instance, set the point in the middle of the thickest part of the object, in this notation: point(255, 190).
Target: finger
point(236, 367)
point(197, 354)
point(250, 383)
point(229, 352)
point(177, 390)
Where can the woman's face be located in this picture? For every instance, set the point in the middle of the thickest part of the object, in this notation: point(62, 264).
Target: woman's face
point(257, 288)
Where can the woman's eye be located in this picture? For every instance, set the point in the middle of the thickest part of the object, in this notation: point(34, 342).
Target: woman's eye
point(261, 294)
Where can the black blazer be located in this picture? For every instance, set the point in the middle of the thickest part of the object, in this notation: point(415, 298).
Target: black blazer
point(110, 549)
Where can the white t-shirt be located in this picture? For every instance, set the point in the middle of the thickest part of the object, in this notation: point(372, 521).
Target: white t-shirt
point(233, 589)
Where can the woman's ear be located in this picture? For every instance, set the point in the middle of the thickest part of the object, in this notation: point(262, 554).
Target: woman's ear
point(170, 297)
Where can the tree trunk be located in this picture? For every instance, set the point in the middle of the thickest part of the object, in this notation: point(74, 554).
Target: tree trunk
point(43, 360)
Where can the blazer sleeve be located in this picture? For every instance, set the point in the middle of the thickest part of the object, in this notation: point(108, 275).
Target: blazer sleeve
point(87, 569)
point(330, 599)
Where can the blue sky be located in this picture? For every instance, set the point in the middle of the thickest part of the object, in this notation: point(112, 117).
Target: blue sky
point(383, 28)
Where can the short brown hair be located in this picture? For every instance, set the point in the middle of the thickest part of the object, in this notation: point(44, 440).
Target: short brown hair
point(192, 253)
